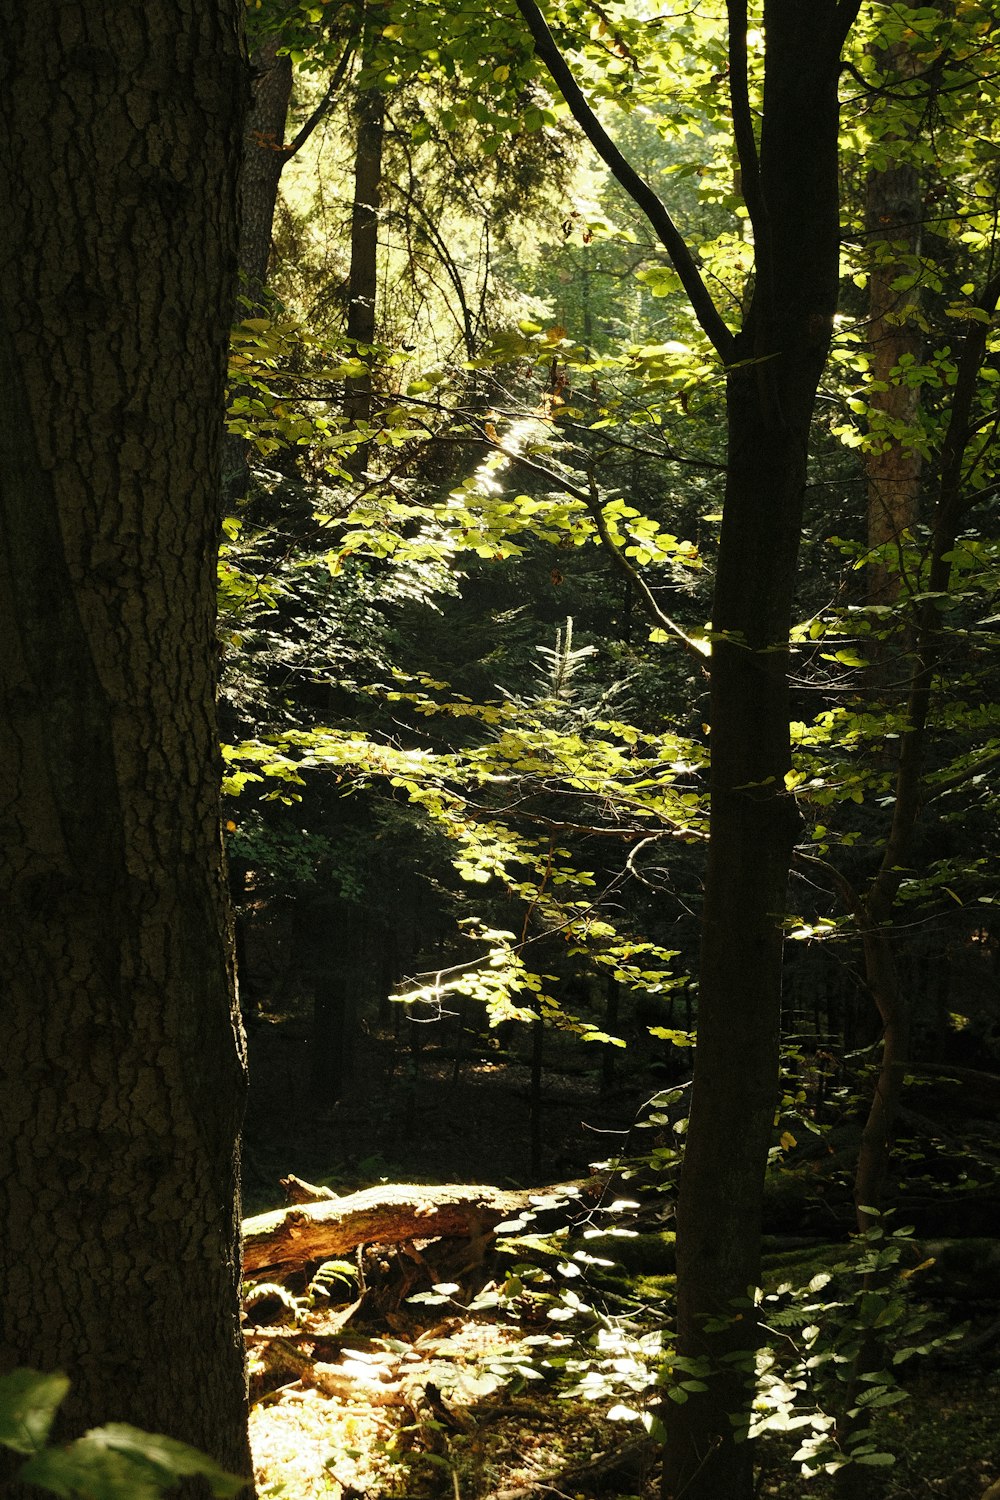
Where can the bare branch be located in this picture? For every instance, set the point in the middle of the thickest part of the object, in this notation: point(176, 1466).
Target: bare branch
point(684, 263)
point(746, 144)
point(322, 108)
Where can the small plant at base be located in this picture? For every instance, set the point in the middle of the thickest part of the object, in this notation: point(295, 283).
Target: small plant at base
point(105, 1463)
point(842, 1355)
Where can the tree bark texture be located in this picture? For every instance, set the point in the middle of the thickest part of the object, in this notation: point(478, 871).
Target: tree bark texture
point(122, 1072)
point(772, 384)
point(264, 157)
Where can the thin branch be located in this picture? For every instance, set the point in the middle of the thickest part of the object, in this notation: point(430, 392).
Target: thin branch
point(592, 501)
point(684, 263)
point(974, 499)
point(443, 253)
point(848, 894)
point(746, 144)
point(322, 108)
point(949, 783)
point(635, 578)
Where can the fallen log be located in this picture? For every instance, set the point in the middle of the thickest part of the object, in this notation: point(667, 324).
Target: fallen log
point(392, 1215)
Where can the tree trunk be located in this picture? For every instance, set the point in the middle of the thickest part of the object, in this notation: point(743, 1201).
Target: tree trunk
point(772, 385)
point(363, 287)
point(893, 218)
point(332, 943)
point(894, 212)
point(122, 1073)
point(878, 907)
point(264, 156)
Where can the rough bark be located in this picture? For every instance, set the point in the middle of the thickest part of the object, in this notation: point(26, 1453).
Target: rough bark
point(122, 1073)
point(387, 1215)
point(792, 195)
point(264, 157)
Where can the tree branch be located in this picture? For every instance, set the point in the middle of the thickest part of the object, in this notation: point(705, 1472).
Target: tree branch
point(592, 501)
point(635, 578)
point(746, 144)
point(704, 308)
point(322, 108)
point(949, 783)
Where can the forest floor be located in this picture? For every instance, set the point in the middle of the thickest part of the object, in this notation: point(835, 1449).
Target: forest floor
point(358, 1389)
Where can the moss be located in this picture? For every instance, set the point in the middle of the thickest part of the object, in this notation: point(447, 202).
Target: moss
point(802, 1264)
point(639, 1254)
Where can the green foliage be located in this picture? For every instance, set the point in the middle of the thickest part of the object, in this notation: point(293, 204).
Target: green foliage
point(559, 415)
point(612, 778)
point(835, 1347)
point(114, 1462)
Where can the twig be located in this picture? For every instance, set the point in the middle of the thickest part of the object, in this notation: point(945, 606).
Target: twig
point(621, 562)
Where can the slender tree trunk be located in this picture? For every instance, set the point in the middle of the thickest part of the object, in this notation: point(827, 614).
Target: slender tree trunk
point(612, 1007)
point(333, 941)
point(536, 1106)
point(876, 909)
point(264, 157)
point(893, 217)
point(363, 288)
point(122, 1071)
point(772, 386)
point(878, 905)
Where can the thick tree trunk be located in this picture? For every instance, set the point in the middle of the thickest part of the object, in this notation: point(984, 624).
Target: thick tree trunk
point(122, 1073)
point(772, 387)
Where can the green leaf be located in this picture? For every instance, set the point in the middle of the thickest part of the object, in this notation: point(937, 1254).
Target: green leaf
point(119, 1462)
point(28, 1404)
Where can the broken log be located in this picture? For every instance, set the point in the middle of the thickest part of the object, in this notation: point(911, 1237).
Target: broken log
point(392, 1215)
point(297, 1190)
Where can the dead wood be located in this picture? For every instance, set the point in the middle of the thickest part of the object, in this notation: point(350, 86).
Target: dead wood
point(297, 1190)
point(390, 1215)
